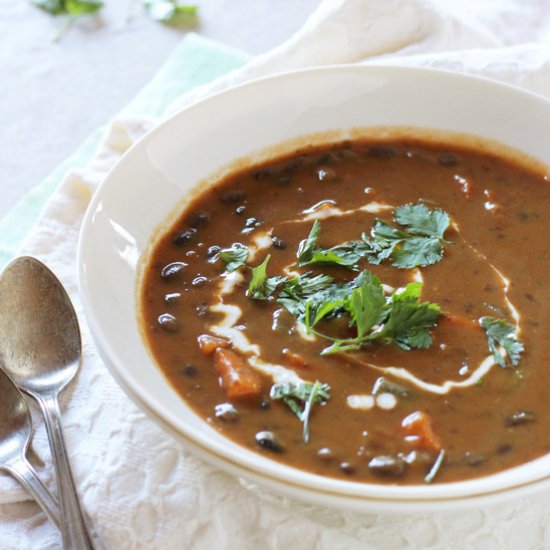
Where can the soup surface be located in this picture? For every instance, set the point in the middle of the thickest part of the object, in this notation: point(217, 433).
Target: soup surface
point(370, 310)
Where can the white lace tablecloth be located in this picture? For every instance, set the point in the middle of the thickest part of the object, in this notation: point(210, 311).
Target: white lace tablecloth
point(140, 487)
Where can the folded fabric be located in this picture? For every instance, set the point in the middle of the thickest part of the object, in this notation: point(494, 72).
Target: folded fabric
point(140, 487)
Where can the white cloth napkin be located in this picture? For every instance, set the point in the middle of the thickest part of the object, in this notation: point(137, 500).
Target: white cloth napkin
point(140, 487)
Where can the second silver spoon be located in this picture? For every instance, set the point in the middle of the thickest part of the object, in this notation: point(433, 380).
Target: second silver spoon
point(15, 436)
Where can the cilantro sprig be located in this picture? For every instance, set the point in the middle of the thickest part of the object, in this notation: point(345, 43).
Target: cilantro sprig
point(502, 341)
point(300, 398)
point(399, 318)
point(418, 244)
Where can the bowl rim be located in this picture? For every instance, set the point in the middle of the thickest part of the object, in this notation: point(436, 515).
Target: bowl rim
point(312, 487)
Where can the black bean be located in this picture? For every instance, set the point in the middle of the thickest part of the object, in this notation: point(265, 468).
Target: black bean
point(474, 459)
point(202, 309)
point(520, 418)
point(185, 236)
point(284, 179)
point(504, 448)
point(190, 370)
point(347, 468)
point(172, 298)
point(231, 197)
point(171, 271)
point(267, 440)
point(262, 174)
point(226, 412)
point(447, 160)
point(387, 465)
point(199, 281)
point(327, 174)
point(212, 251)
point(325, 455)
point(168, 322)
point(250, 225)
point(278, 243)
point(199, 219)
point(240, 210)
point(381, 152)
point(418, 457)
point(293, 164)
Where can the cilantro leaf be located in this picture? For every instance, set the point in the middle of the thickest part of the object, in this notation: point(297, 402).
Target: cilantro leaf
point(300, 398)
point(502, 335)
point(234, 257)
point(366, 304)
point(296, 291)
point(417, 251)
point(346, 254)
point(407, 323)
point(411, 293)
point(420, 245)
point(307, 246)
point(261, 287)
point(420, 220)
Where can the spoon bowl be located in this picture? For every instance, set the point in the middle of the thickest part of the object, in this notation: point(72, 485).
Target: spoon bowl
point(40, 334)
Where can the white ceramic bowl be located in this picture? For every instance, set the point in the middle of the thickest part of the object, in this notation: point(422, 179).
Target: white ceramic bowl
point(159, 172)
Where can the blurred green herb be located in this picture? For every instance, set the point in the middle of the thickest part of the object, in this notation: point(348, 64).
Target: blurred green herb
point(74, 8)
point(169, 11)
point(71, 9)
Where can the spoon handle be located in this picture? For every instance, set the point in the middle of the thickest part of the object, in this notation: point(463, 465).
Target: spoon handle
point(22, 470)
point(74, 531)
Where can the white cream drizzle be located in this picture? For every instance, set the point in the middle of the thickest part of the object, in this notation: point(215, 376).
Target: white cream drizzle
point(328, 210)
point(362, 402)
point(228, 328)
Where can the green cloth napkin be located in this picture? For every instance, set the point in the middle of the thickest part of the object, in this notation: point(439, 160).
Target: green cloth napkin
point(195, 61)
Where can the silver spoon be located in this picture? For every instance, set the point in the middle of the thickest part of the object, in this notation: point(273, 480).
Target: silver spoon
point(40, 349)
point(15, 436)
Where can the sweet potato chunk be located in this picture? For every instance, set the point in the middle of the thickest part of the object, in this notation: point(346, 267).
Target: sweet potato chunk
point(208, 343)
point(419, 425)
point(294, 359)
point(238, 379)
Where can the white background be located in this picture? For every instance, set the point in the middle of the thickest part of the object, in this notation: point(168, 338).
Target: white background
point(54, 94)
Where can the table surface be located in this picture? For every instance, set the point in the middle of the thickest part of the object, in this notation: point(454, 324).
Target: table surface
point(54, 94)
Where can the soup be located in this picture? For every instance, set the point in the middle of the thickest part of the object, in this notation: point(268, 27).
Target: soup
point(371, 310)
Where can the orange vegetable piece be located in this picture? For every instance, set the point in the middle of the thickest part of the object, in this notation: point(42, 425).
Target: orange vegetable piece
point(208, 344)
point(238, 379)
point(294, 359)
point(419, 425)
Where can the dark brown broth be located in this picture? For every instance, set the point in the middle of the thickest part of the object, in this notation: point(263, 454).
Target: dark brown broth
point(472, 422)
